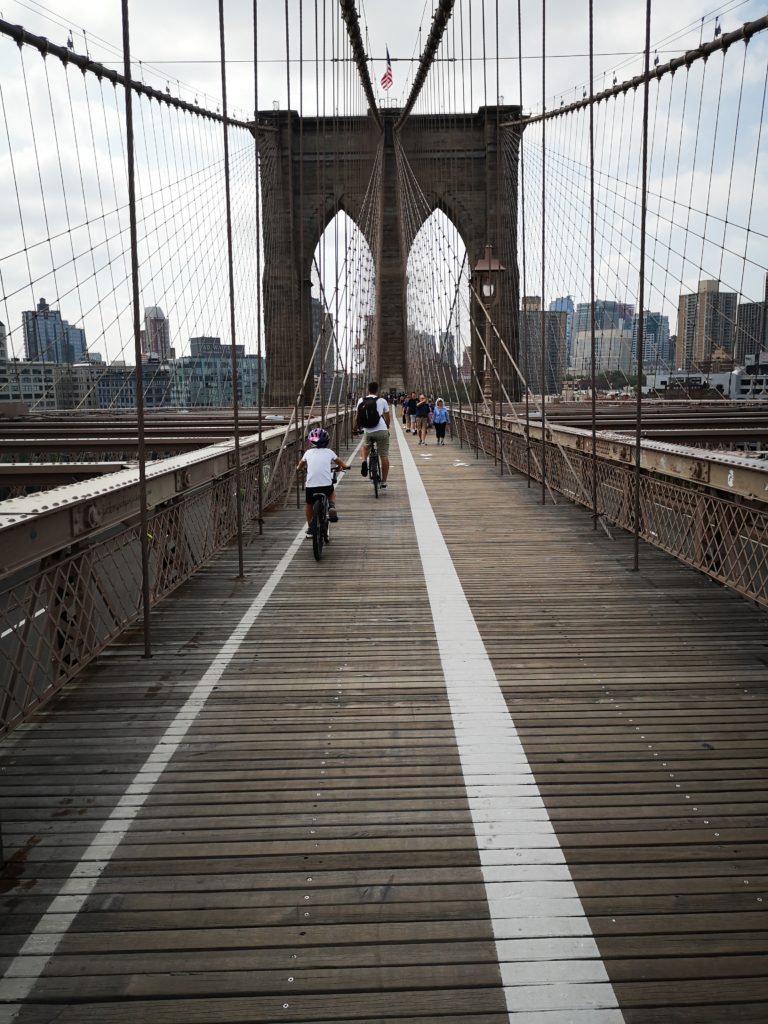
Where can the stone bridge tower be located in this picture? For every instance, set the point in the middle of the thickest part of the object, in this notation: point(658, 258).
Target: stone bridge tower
point(312, 168)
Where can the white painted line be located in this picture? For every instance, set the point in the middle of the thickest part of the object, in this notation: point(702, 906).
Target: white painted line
point(7, 632)
point(27, 966)
point(551, 923)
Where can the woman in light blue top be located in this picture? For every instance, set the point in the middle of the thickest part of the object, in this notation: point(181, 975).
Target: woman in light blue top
point(440, 420)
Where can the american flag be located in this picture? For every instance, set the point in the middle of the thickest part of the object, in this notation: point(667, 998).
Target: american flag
point(386, 78)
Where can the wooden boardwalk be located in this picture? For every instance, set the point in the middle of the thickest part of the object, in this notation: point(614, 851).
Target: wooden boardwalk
point(305, 839)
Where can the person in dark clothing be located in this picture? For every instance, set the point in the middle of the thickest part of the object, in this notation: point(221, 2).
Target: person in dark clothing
point(422, 419)
point(412, 403)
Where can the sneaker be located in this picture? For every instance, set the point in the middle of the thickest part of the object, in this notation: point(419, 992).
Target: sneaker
point(308, 533)
point(364, 467)
point(333, 515)
point(382, 486)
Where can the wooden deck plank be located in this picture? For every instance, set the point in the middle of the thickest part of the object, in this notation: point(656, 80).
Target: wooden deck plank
point(315, 819)
point(642, 685)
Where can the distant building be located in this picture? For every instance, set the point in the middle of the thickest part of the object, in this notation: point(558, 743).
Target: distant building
point(751, 381)
point(116, 387)
point(33, 383)
point(531, 347)
point(156, 336)
point(613, 351)
point(609, 315)
point(207, 348)
point(751, 328)
point(564, 304)
point(325, 353)
point(448, 348)
point(3, 343)
point(706, 322)
point(157, 380)
point(466, 363)
point(204, 378)
point(746, 383)
point(657, 351)
point(49, 339)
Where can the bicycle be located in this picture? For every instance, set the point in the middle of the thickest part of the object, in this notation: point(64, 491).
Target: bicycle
point(320, 527)
point(374, 467)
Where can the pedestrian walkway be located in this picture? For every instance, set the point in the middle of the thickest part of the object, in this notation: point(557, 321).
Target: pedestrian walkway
point(469, 767)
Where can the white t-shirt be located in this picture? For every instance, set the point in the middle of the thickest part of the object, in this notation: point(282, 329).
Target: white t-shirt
point(318, 462)
point(382, 406)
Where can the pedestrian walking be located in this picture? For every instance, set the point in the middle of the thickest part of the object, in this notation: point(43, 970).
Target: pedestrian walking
point(412, 403)
point(422, 419)
point(440, 420)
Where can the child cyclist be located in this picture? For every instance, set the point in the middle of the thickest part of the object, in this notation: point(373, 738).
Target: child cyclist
point(318, 461)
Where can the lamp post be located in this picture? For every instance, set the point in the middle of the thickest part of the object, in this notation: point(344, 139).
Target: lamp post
point(488, 269)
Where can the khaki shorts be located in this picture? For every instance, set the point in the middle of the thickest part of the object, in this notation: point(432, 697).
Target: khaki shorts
point(381, 437)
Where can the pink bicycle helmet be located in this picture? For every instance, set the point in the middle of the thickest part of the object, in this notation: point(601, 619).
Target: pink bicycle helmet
point(318, 437)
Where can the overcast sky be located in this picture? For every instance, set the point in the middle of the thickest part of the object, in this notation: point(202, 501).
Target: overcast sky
point(180, 38)
point(177, 43)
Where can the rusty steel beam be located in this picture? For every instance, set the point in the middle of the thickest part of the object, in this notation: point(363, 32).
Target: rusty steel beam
point(53, 474)
point(733, 475)
point(37, 525)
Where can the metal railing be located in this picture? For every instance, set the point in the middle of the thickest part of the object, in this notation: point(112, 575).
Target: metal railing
point(708, 509)
point(70, 580)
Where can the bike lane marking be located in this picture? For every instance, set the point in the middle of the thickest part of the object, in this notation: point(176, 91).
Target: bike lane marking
point(29, 963)
point(550, 965)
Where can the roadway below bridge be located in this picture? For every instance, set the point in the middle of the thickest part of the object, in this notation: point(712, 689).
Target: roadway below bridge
point(468, 768)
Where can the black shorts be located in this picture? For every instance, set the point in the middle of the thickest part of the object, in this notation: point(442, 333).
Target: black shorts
point(312, 492)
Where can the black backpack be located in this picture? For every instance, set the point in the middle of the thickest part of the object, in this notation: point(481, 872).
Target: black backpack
point(368, 415)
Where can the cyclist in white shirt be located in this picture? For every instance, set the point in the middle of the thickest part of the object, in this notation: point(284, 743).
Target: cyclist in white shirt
point(378, 431)
point(318, 461)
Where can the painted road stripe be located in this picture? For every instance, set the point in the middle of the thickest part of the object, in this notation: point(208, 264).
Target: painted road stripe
point(574, 987)
point(27, 966)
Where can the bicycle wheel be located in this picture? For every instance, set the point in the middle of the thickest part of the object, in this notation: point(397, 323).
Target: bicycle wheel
point(375, 478)
point(318, 530)
point(373, 469)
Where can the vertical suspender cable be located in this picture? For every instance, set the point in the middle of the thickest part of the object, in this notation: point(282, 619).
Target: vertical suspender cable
point(641, 289)
point(498, 229)
point(232, 332)
point(142, 446)
point(593, 352)
point(523, 333)
point(260, 395)
point(542, 381)
point(295, 362)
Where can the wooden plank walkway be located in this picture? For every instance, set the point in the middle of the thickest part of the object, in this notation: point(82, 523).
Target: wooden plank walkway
point(308, 851)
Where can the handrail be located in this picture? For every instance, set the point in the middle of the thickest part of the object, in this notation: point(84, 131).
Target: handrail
point(37, 525)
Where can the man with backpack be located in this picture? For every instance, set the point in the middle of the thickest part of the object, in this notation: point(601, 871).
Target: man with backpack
point(373, 420)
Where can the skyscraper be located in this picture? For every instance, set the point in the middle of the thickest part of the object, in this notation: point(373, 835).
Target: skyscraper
point(608, 315)
point(657, 352)
point(448, 348)
point(325, 353)
point(3, 343)
point(564, 304)
point(554, 328)
point(156, 336)
point(751, 328)
point(49, 339)
point(613, 351)
point(706, 322)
